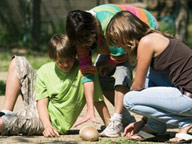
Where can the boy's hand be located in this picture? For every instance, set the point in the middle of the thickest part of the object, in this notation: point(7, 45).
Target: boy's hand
point(86, 118)
point(50, 131)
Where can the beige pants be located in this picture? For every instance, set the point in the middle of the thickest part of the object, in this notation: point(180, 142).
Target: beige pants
point(25, 121)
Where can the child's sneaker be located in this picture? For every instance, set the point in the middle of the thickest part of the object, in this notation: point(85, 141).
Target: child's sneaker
point(113, 129)
point(6, 112)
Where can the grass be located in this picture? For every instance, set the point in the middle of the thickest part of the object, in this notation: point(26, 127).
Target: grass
point(123, 140)
point(117, 141)
point(35, 59)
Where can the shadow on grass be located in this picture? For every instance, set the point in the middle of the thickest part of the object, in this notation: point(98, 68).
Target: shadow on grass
point(2, 88)
point(35, 140)
point(76, 131)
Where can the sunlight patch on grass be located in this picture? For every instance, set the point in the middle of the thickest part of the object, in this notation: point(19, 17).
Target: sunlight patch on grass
point(36, 60)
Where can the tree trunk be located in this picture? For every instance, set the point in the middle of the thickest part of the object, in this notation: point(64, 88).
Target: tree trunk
point(181, 22)
point(98, 2)
point(36, 25)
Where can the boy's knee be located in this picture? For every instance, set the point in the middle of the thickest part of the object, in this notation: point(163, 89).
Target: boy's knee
point(129, 99)
point(12, 65)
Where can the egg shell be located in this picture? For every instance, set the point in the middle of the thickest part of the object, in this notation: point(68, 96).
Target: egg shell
point(89, 133)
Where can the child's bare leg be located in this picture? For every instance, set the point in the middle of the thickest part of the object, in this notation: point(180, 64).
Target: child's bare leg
point(116, 98)
point(103, 111)
point(115, 126)
point(12, 87)
point(119, 95)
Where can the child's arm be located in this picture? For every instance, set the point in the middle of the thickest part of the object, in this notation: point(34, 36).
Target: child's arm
point(88, 76)
point(145, 52)
point(89, 94)
point(103, 111)
point(49, 130)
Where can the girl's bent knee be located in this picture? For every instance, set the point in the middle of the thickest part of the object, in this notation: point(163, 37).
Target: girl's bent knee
point(129, 98)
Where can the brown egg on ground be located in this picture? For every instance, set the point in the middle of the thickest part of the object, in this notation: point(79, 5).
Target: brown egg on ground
point(89, 133)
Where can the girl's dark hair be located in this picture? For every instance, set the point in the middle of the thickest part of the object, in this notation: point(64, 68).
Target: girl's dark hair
point(60, 47)
point(80, 26)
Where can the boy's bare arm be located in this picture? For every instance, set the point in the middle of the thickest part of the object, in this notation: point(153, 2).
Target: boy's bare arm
point(49, 130)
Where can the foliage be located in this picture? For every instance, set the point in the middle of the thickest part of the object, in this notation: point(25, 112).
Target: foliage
point(11, 32)
point(190, 30)
point(190, 36)
point(10, 39)
point(21, 37)
point(167, 24)
point(46, 35)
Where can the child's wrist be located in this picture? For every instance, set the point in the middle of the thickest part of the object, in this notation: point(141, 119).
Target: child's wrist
point(90, 110)
point(47, 124)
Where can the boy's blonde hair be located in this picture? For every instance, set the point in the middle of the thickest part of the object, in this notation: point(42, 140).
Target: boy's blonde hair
point(60, 47)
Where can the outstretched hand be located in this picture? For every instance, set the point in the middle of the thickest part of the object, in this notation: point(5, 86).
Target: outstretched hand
point(133, 128)
point(86, 118)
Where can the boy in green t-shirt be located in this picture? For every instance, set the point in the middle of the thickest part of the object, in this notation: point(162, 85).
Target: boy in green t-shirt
point(58, 90)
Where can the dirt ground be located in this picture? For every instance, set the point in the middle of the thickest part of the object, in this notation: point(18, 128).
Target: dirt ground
point(71, 138)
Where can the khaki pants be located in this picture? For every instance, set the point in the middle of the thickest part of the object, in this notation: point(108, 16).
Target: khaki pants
point(25, 121)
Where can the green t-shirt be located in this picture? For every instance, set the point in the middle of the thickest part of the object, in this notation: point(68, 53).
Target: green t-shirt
point(65, 94)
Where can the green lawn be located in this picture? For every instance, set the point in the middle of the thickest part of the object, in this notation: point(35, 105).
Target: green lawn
point(35, 59)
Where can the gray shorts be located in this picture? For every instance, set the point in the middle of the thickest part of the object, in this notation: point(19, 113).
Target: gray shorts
point(25, 121)
point(117, 75)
